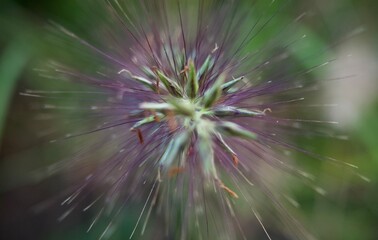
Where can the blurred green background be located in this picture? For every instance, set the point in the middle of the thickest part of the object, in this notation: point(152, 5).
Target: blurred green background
point(348, 212)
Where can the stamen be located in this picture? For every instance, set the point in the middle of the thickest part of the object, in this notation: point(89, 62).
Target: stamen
point(154, 70)
point(267, 110)
point(235, 159)
point(157, 85)
point(186, 68)
point(140, 136)
point(156, 117)
point(228, 190)
point(215, 48)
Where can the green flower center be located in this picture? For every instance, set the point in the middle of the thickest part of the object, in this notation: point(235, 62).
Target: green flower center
point(195, 119)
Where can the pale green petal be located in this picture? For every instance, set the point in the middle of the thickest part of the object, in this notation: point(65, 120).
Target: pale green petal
point(234, 130)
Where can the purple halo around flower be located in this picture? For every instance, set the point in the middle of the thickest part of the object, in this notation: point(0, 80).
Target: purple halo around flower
point(188, 106)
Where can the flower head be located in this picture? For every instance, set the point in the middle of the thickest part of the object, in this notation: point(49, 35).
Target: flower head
point(185, 101)
point(191, 103)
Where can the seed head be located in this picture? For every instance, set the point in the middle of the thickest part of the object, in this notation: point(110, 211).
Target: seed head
point(187, 109)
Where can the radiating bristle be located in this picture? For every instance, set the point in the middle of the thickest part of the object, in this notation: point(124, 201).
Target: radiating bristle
point(191, 111)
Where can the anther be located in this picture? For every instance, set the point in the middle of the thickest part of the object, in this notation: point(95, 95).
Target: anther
point(228, 190)
point(175, 170)
point(235, 159)
point(154, 69)
point(186, 68)
point(140, 136)
point(157, 85)
point(156, 117)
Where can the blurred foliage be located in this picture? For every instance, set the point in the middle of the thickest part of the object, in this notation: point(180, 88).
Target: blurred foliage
point(12, 62)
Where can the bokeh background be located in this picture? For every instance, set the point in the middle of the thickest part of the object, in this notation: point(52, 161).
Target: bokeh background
point(350, 209)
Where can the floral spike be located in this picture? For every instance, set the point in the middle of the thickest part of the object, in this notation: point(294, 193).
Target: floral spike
point(205, 66)
point(229, 111)
point(185, 107)
point(172, 86)
point(181, 59)
point(234, 130)
point(145, 82)
point(147, 120)
point(159, 107)
point(192, 84)
point(149, 73)
point(228, 85)
point(212, 94)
